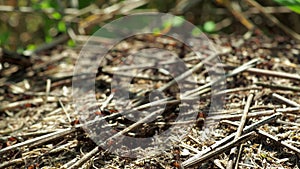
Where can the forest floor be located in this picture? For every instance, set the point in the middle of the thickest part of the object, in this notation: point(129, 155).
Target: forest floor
point(259, 116)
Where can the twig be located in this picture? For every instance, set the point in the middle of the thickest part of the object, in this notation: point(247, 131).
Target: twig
point(48, 87)
point(106, 102)
point(140, 76)
point(11, 162)
point(288, 123)
point(236, 12)
point(41, 139)
point(254, 11)
point(238, 156)
point(286, 100)
point(65, 110)
point(266, 72)
point(64, 146)
point(187, 73)
point(284, 144)
point(223, 24)
point(233, 151)
point(31, 134)
point(277, 86)
point(253, 114)
point(23, 102)
point(219, 150)
point(265, 134)
point(274, 73)
point(270, 9)
point(238, 89)
point(237, 70)
point(247, 129)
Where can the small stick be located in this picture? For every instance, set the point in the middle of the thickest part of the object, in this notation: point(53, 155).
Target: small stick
point(231, 136)
point(219, 150)
point(68, 164)
point(194, 139)
point(23, 102)
point(274, 73)
point(184, 145)
point(64, 146)
point(187, 73)
point(239, 89)
point(12, 162)
point(43, 138)
point(232, 73)
point(288, 123)
point(65, 110)
point(236, 12)
point(265, 72)
point(233, 151)
point(284, 144)
point(265, 134)
point(277, 86)
point(31, 134)
point(106, 102)
point(254, 114)
point(129, 74)
point(48, 87)
point(288, 101)
point(238, 156)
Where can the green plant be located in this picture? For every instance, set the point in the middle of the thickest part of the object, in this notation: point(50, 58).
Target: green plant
point(294, 5)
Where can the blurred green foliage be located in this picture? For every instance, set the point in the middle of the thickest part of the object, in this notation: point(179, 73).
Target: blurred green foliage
point(294, 5)
point(20, 31)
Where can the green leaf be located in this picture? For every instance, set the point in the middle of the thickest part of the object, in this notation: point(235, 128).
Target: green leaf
point(177, 21)
point(61, 26)
point(48, 39)
point(156, 31)
point(295, 9)
point(71, 43)
point(56, 15)
point(209, 26)
point(4, 38)
point(31, 47)
point(293, 5)
point(45, 5)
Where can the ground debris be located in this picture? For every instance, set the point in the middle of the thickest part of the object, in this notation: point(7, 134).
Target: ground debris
point(39, 127)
